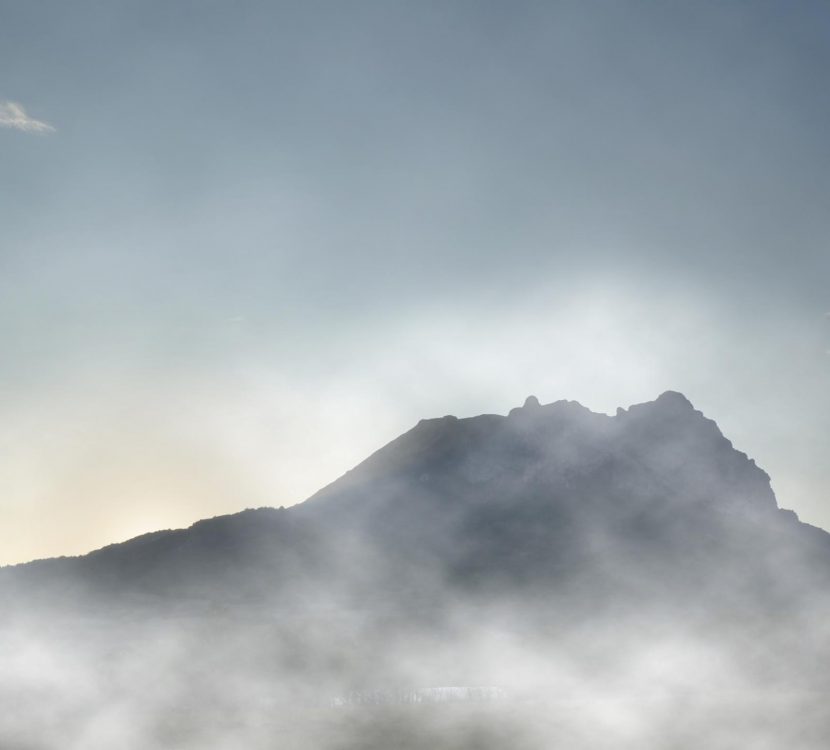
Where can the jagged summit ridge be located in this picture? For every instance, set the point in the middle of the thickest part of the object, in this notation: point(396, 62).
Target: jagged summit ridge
point(667, 402)
point(663, 443)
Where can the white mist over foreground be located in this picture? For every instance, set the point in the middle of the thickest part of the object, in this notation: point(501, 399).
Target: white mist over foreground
point(554, 578)
point(158, 688)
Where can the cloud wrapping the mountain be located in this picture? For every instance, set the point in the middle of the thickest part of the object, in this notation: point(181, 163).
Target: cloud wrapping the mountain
point(12, 115)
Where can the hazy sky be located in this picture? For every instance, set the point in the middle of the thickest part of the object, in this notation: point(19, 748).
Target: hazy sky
point(244, 244)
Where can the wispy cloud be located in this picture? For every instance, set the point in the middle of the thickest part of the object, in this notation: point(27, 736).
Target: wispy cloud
point(12, 115)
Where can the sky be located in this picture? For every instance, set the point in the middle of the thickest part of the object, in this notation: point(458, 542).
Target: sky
point(243, 245)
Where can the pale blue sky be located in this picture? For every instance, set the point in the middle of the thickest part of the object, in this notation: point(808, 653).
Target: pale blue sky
point(264, 238)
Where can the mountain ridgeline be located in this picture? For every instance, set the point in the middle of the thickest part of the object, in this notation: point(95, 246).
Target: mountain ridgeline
point(552, 546)
point(651, 501)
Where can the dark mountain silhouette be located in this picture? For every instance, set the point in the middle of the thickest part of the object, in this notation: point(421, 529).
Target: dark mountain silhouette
point(556, 496)
point(496, 552)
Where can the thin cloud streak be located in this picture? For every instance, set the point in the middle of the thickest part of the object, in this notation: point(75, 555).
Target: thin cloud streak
point(12, 115)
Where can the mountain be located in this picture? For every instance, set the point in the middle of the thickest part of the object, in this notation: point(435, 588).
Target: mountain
point(460, 554)
point(550, 495)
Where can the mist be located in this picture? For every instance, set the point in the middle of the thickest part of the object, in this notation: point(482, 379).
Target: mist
point(553, 576)
point(253, 259)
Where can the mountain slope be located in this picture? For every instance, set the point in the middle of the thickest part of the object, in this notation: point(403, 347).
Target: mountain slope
point(628, 580)
point(652, 501)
